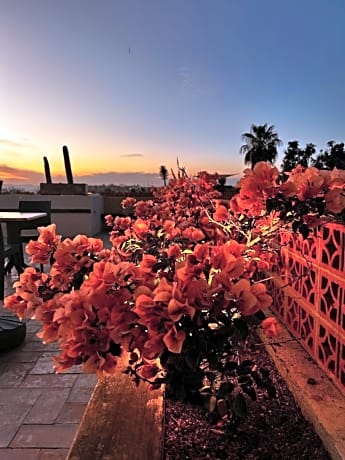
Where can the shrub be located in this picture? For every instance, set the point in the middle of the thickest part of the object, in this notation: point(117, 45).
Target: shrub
point(173, 293)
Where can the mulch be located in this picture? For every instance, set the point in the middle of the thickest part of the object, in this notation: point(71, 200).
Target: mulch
point(274, 430)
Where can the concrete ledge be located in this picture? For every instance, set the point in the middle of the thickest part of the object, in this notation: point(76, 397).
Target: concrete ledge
point(321, 402)
point(63, 189)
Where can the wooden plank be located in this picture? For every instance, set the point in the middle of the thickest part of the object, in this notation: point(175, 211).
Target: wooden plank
point(122, 422)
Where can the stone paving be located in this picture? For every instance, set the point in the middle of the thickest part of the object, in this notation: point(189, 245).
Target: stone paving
point(40, 411)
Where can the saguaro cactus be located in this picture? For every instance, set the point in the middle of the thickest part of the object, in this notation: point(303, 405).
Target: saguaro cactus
point(67, 162)
point(47, 170)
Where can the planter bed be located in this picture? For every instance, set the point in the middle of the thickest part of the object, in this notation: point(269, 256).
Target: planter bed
point(274, 430)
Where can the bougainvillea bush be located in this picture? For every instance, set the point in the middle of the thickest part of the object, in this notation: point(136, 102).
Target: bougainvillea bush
point(172, 295)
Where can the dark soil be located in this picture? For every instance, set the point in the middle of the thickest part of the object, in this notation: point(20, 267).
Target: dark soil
point(274, 430)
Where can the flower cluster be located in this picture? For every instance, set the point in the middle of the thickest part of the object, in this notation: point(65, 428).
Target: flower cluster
point(184, 272)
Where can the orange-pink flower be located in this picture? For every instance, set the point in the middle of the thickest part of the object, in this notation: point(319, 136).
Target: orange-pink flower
point(147, 262)
point(140, 227)
point(163, 291)
point(100, 365)
point(202, 251)
point(48, 235)
point(174, 251)
point(40, 252)
point(271, 327)
point(198, 292)
point(174, 340)
point(142, 303)
point(221, 214)
point(251, 297)
point(176, 309)
point(153, 346)
point(262, 179)
point(264, 300)
point(335, 200)
point(128, 202)
point(170, 229)
point(309, 182)
point(288, 189)
point(149, 371)
point(193, 233)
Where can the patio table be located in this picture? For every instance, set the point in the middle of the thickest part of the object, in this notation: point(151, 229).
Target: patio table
point(15, 222)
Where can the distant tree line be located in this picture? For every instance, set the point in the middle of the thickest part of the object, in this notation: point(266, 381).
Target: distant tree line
point(261, 144)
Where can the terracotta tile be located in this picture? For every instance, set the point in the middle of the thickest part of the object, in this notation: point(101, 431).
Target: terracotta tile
point(19, 454)
point(32, 337)
point(53, 454)
point(12, 374)
point(44, 364)
point(74, 370)
point(82, 395)
point(86, 381)
point(19, 356)
point(15, 396)
point(47, 407)
point(71, 413)
point(32, 327)
point(49, 381)
point(11, 418)
point(83, 388)
point(45, 436)
point(37, 345)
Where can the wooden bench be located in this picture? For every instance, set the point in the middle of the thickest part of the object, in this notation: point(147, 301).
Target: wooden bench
point(121, 422)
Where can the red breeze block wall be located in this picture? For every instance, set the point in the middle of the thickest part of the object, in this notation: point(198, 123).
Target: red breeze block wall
point(308, 289)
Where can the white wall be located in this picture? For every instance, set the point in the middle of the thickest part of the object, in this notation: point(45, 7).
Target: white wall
point(69, 223)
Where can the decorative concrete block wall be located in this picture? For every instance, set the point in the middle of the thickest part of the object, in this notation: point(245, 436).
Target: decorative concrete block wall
point(309, 295)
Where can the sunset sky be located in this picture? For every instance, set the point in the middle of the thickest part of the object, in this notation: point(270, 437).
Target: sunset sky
point(132, 85)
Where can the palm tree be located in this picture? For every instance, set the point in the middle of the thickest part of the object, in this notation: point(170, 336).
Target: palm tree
point(163, 172)
point(261, 144)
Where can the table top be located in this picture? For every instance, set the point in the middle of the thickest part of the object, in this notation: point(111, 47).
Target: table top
point(13, 216)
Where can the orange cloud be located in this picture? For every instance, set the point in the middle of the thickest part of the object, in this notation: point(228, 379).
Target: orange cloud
point(16, 175)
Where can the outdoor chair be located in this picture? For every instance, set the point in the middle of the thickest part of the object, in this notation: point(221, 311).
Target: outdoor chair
point(28, 230)
point(7, 251)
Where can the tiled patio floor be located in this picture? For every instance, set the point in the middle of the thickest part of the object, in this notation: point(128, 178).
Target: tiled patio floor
point(39, 410)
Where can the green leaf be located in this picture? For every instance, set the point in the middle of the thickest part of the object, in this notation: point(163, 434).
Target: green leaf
point(271, 391)
point(222, 408)
point(249, 390)
point(205, 391)
point(211, 376)
point(212, 404)
point(231, 366)
point(264, 373)
point(240, 406)
point(242, 327)
point(225, 389)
